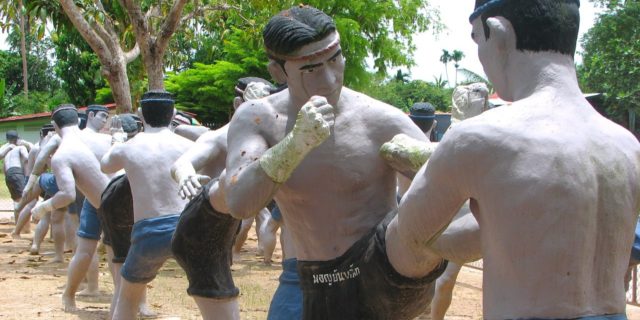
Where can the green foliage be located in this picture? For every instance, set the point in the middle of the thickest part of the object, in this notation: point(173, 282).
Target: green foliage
point(77, 66)
point(381, 30)
point(610, 58)
point(230, 43)
point(3, 85)
point(38, 101)
point(403, 95)
point(207, 90)
point(40, 72)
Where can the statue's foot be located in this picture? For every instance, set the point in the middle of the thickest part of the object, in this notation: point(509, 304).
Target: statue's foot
point(16, 236)
point(88, 292)
point(69, 303)
point(145, 311)
point(34, 250)
point(57, 259)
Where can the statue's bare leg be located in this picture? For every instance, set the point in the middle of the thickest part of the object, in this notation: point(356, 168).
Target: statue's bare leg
point(41, 232)
point(129, 297)
point(269, 238)
point(57, 232)
point(218, 308)
point(23, 220)
point(70, 228)
point(143, 307)
point(78, 267)
point(444, 291)
point(242, 235)
point(92, 278)
point(262, 218)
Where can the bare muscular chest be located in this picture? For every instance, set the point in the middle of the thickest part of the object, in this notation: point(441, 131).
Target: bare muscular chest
point(346, 163)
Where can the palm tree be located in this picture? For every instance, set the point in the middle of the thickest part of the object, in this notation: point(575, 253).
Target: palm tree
point(14, 15)
point(401, 76)
point(445, 58)
point(472, 77)
point(439, 82)
point(456, 57)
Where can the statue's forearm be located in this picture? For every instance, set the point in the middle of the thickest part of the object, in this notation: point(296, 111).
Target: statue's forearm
point(407, 155)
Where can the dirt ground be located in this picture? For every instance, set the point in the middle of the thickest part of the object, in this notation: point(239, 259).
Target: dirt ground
point(31, 286)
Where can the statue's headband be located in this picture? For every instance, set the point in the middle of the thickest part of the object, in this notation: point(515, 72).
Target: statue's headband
point(333, 44)
point(156, 102)
point(97, 108)
point(482, 8)
point(64, 108)
point(421, 117)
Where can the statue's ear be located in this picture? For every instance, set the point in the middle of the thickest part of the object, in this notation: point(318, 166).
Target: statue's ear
point(501, 33)
point(277, 72)
point(237, 101)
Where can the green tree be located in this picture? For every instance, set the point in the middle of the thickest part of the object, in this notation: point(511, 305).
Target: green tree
point(456, 57)
point(611, 55)
point(445, 58)
point(382, 30)
point(207, 90)
point(77, 66)
point(14, 16)
point(401, 76)
point(472, 77)
point(403, 95)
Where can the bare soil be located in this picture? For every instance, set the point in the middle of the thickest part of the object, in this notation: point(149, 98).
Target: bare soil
point(31, 286)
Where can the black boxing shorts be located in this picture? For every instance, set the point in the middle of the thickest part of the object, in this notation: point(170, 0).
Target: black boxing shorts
point(362, 284)
point(15, 180)
point(116, 214)
point(202, 246)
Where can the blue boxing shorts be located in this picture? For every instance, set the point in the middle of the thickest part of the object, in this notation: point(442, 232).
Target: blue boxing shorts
point(90, 226)
point(150, 248)
point(48, 184)
point(287, 300)
point(635, 249)
point(276, 214)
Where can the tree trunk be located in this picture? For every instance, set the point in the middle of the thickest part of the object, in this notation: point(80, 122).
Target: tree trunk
point(104, 42)
point(23, 52)
point(116, 73)
point(154, 63)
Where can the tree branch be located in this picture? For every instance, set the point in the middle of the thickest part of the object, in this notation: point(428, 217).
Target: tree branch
point(139, 24)
point(132, 54)
point(201, 10)
point(108, 21)
point(88, 33)
point(170, 25)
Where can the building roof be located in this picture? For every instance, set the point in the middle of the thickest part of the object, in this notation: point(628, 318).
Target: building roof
point(44, 114)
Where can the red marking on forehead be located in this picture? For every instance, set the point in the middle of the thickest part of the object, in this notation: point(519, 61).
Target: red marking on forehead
point(326, 49)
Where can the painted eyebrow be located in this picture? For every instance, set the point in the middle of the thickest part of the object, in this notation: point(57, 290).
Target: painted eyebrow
point(339, 52)
point(311, 66)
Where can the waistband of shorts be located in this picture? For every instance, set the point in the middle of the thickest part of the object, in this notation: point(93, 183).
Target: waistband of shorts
point(14, 169)
point(290, 272)
point(156, 221)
